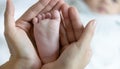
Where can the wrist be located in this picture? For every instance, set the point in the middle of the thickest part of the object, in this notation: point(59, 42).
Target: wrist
point(20, 63)
point(29, 63)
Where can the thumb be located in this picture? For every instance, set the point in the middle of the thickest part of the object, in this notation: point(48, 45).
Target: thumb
point(87, 35)
point(9, 15)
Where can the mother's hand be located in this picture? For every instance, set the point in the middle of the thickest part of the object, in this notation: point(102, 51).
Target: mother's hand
point(23, 53)
point(75, 41)
point(43, 6)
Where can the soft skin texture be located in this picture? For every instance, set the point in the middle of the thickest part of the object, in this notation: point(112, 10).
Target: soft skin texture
point(23, 52)
point(75, 53)
point(16, 34)
point(46, 32)
point(42, 6)
point(104, 6)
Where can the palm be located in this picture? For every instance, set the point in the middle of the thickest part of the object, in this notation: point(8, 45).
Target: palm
point(70, 58)
point(18, 34)
point(22, 47)
point(18, 40)
point(75, 53)
point(25, 22)
point(22, 38)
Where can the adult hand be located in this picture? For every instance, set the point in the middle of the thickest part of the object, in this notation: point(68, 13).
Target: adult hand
point(42, 6)
point(75, 41)
point(21, 48)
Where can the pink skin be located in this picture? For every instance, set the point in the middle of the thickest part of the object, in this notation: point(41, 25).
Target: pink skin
point(46, 33)
point(104, 6)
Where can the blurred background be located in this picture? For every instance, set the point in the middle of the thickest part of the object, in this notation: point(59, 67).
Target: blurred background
point(105, 44)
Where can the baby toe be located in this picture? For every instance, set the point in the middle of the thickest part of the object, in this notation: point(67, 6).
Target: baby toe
point(56, 15)
point(48, 16)
point(35, 20)
point(43, 16)
point(40, 17)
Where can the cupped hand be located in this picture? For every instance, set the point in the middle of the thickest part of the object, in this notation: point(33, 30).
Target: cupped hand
point(75, 41)
point(75, 46)
point(42, 6)
point(23, 52)
point(21, 49)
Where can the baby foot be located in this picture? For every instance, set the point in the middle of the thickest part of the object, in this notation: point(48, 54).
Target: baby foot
point(46, 33)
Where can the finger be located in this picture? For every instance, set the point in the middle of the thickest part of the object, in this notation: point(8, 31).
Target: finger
point(88, 55)
point(24, 21)
point(50, 5)
point(34, 10)
point(9, 15)
point(86, 58)
point(63, 36)
point(87, 35)
point(58, 5)
point(76, 23)
point(68, 25)
point(9, 26)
